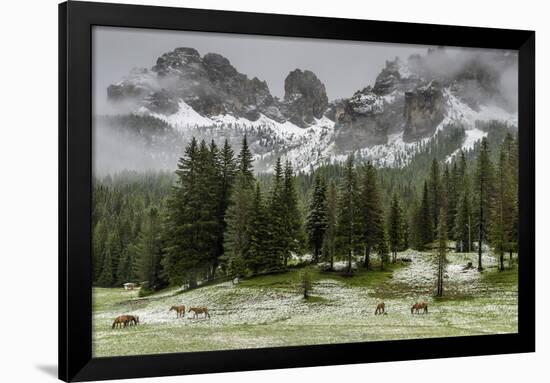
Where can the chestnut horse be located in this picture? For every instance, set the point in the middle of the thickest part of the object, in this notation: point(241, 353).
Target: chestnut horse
point(199, 310)
point(134, 320)
point(380, 309)
point(180, 310)
point(125, 320)
point(419, 306)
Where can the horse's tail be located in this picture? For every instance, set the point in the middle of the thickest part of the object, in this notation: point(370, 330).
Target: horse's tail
point(114, 323)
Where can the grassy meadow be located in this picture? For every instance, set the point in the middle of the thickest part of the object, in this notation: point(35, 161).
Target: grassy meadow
point(270, 311)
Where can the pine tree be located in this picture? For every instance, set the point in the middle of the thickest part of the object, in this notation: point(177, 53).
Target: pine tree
point(114, 246)
point(463, 222)
point(510, 145)
point(223, 164)
point(294, 233)
point(382, 249)
point(424, 219)
point(257, 259)
point(415, 232)
point(442, 250)
point(448, 199)
point(434, 193)
point(371, 213)
point(278, 246)
point(244, 160)
point(125, 267)
point(317, 220)
point(99, 239)
point(238, 215)
point(191, 220)
point(395, 227)
point(483, 194)
point(329, 242)
point(238, 219)
point(349, 227)
point(502, 214)
point(453, 197)
point(148, 250)
point(106, 278)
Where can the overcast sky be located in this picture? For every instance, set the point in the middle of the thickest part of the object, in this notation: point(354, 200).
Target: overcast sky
point(343, 66)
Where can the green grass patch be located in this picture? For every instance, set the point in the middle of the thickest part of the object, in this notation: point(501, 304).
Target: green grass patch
point(316, 299)
point(289, 279)
point(507, 276)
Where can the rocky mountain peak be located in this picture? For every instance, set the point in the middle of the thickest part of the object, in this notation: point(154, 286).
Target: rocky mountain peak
point(179, 61)
point(305, 97)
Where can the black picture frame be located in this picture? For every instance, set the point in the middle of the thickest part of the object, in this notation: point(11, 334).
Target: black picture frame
point(76, 20)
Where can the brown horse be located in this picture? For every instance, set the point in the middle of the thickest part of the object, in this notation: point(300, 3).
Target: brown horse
point(380, 309)
point(121, 321)
point(125, 320)
point(180, 310)
point(199, 310)
point(419, 306)
point(134, 320)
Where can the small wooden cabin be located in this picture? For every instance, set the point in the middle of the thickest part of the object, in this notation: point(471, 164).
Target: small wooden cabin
point(129, 286)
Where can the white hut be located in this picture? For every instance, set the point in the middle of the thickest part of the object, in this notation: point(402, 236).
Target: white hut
point(129, 286)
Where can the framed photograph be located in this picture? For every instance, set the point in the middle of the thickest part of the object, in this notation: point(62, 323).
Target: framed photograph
point(245, 191)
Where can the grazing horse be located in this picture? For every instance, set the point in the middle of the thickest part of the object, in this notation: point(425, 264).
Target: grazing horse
point(380, 309)
point(199, 310)
point(419, 306)
point(121, 321)
point(180, 310)
point(125, 320)
point(133, 320)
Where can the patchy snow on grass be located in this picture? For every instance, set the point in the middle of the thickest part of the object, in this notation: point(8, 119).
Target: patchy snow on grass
point(272, 312)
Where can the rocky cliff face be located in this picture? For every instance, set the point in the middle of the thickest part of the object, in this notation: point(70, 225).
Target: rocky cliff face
point(305, 97)
point(409, 101)
point(424, 110)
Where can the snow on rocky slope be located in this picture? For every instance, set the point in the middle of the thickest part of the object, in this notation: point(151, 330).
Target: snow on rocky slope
point(409, 103)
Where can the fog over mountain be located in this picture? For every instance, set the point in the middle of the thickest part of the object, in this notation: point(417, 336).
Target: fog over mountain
point(144, 117)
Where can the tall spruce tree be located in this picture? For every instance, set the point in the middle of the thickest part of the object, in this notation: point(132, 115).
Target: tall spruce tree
point(106, 277)
point(244, 163)
point(463, 222)
point(329, 241)
point(148, 250)
point(294, 233)
point(317, 220)
point(483, 189)
point(510, 145)
point(256, 259)
point(371, 213)
point(279, 234)
point(447, 198)
point(442, 250)
point(424, 221)
point(225, 165)
point(453, 199)
point(190, 229)
point(502, 214)
point(237, 235)
point(382, 248)
point(434, 193)
point(395, 227)
point(349, 224)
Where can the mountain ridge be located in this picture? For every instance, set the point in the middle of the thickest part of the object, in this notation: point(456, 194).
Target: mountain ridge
point(410, 101)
